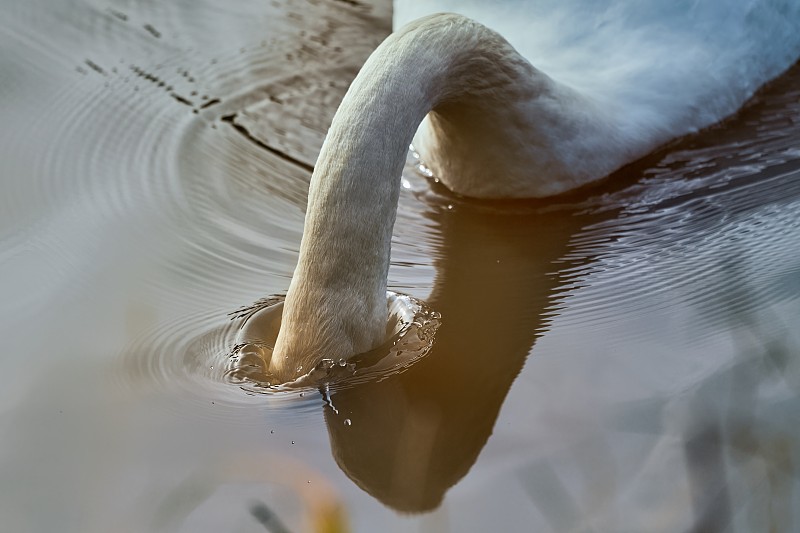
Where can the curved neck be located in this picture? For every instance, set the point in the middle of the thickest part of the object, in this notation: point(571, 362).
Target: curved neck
point(336, 303)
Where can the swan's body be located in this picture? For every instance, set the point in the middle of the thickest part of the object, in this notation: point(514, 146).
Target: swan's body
point(497, 128)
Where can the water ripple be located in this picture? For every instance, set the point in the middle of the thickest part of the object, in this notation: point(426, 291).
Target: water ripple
point(712, 225)
point(208, 356)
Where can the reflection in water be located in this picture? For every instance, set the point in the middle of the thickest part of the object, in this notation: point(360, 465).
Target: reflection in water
point(267, 518)
point(408, 438)
point(410, 331)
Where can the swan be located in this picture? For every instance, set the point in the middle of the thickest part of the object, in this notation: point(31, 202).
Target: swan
point(612, 82)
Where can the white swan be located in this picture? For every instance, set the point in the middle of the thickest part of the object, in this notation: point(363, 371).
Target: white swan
point(496, 127)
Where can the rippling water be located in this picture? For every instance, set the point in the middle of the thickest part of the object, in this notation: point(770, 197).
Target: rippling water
point(621, 360)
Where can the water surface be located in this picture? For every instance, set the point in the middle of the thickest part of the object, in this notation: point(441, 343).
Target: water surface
point(621, 360)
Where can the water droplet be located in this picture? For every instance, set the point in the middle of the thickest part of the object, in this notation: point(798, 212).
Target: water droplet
point(292, 442)
point(348, 422)
point(271, 431)
point(299, 369)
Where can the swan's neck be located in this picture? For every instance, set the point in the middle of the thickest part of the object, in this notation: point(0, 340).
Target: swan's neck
point(471, 78)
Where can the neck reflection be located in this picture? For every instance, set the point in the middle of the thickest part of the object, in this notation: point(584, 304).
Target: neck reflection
point(410, 437)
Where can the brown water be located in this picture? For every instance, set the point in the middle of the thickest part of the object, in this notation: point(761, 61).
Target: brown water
point(623, 360)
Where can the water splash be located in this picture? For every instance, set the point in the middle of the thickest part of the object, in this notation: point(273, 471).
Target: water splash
point(411, 328)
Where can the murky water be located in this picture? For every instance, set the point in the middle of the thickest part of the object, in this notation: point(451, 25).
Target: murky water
point(622, 360)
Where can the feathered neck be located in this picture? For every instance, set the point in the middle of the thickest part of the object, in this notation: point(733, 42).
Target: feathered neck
point(497, 128)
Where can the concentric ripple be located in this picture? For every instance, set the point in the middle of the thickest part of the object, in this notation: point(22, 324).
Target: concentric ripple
point(201, 352)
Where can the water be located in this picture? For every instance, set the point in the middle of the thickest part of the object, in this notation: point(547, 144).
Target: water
point(621, 360)
point(410, 333)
